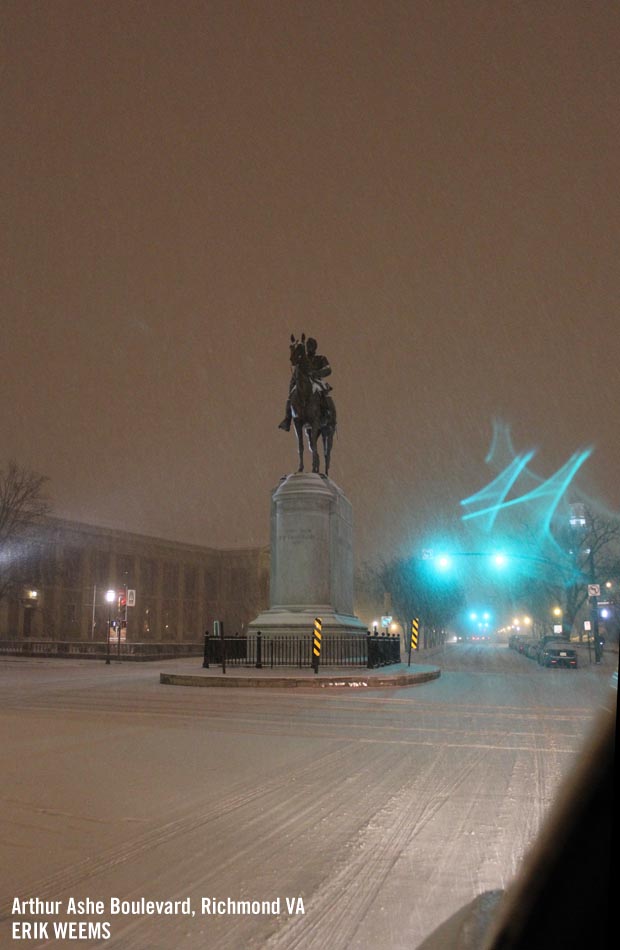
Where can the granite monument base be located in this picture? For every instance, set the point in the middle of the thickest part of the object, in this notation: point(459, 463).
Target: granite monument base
point(275, 622)
point(311, 559)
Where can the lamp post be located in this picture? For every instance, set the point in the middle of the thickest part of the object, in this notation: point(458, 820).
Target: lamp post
point(110, 597)
point(579, 521)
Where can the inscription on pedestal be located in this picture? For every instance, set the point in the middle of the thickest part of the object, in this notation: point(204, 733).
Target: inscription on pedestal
point(296, 535)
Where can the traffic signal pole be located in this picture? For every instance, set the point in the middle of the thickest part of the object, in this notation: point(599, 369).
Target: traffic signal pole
point(594, 610)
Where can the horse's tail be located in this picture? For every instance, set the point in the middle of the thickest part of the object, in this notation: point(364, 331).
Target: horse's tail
point(331, 415)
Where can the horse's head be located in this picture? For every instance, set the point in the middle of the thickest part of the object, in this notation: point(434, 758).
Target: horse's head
point(298, 349)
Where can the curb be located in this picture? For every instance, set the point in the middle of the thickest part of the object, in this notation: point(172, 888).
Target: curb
point(288, 682)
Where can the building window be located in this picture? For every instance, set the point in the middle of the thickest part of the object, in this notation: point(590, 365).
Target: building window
point(191, 581)
point(169, 630)
point(210, 585)
point(190, 620)
point(171, 580)
point(148, 575)
point(124, 570)
point(148, 629)
point(71, 567)
point(101, 568)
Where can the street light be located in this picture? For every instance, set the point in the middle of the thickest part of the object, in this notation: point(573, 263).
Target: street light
point(110, 597)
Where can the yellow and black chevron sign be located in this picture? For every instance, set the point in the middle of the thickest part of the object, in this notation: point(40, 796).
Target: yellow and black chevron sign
point(415, 627)
point(316, 640)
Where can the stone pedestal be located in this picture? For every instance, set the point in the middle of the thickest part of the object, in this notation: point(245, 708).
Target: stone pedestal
point(311, 559)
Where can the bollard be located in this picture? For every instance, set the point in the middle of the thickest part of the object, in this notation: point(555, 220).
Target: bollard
point(413, 642)
point(205, 658)
point(259, 651)
point(316, 643)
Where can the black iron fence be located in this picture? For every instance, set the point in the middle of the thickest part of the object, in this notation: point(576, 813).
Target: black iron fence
point(337, 650)
point(256, 650)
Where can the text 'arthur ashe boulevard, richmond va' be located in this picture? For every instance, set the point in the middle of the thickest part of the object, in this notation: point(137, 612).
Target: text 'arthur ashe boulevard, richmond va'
point(59, 929)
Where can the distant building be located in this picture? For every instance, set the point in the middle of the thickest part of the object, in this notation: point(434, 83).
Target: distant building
point(174, 591)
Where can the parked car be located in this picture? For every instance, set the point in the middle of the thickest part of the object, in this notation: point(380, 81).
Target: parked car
point(557, 653)
point(518, 642)
point(522, 643)
point(532, 648)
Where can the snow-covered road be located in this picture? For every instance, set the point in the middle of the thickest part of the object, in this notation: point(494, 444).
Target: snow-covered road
point(385, 811)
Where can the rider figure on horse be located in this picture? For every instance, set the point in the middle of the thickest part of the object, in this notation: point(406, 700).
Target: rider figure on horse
point(319, 369)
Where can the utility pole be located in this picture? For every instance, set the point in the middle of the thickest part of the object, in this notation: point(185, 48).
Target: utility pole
point(579, 520)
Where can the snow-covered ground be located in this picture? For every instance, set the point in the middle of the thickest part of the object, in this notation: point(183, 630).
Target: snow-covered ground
point(384, 810)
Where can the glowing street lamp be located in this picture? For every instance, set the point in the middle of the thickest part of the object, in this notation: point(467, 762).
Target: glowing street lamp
point(110, 597)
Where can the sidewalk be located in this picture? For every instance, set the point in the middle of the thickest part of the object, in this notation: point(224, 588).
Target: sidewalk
point(190, 673)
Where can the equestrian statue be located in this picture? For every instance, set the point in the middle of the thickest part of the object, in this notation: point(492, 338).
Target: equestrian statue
point(309, 406)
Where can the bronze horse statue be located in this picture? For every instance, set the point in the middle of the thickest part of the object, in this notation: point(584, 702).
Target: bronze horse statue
point(312, 411)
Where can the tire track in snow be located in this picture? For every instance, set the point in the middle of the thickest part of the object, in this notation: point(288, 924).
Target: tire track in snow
point(184, 824)
point(336, 912)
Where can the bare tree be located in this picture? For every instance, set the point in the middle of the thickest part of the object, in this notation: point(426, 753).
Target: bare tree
point(577, 553)
point(417, 591)
point(23, 505)
point(596, 552)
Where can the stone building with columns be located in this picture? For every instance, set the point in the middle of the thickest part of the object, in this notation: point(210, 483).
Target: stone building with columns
point(174, 591)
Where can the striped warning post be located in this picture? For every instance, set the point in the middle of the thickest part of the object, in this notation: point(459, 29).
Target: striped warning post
point(413, 643)
point(316, 643)
point(415, 629)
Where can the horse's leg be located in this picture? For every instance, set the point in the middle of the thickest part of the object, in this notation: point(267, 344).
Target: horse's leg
point(327, 447)
point(314, 443)
point(299, 429)
point(312, 440)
